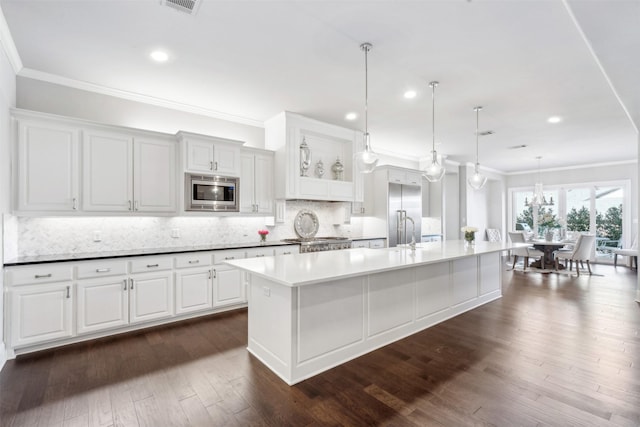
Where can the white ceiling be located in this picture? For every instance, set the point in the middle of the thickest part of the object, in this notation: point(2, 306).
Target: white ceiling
point(522, 60)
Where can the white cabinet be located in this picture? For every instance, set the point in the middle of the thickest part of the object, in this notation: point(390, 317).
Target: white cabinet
point(102, 304)
point(256, 181)
point(228, 282)
point(47, 166)
point(108, 171)
point(370, 243)
point(285, 133)
point(154, 179)
point(210, 155)
point(128, 172)
point(404, 176)
point(365, 205)
point(194, 282)
point(41, 313)
point(150, 296)
point(287, 250)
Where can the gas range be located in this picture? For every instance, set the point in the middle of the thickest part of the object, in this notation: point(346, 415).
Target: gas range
point(318, 244)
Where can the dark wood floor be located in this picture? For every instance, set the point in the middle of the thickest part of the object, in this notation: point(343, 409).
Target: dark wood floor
point(554, 350)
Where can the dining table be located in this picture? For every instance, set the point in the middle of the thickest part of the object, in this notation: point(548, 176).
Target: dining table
point(548, 247)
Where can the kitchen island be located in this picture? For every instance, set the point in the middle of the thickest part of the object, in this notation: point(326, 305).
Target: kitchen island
point(311, 312)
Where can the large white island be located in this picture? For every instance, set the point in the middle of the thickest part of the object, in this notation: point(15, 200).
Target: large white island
point(310, 312)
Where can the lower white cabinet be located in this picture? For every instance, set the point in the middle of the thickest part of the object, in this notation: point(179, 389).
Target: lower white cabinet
point(102, 304)
point(369, 243)
point(150, 296)
point(228, 286)
point(41, 313)
point(194, 289)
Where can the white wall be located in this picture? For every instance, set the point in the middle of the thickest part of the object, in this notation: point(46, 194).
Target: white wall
point(46, 97)
point(7, 100)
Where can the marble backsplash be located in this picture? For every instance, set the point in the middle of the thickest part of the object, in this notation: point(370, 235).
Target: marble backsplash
point(31, 236)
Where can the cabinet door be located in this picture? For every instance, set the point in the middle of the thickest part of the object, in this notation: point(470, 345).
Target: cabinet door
point(107, 172)
point(102, 304)
point(226, 159)
point(228, 286)
point(193, 290)
point(41, 313)
point(154, 175)
point(48, 166)
point(199, 156)
point(247, 183)
point(263, 189)
point(150, 296)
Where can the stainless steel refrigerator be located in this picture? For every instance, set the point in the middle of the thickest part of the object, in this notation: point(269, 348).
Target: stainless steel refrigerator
point(405, 201)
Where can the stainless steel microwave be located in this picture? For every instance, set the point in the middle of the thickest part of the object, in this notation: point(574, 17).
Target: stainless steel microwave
point(211, 193)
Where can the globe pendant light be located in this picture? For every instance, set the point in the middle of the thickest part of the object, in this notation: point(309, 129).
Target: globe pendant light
point(435, 170)
point(366, 160)
point(477, 180)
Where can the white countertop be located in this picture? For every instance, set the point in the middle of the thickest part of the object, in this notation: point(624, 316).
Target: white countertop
point(316, 267)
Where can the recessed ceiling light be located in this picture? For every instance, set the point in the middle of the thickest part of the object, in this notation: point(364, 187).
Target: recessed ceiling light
point(159, 56)
point(410, 94)
point(351, 116)
point(554, 119)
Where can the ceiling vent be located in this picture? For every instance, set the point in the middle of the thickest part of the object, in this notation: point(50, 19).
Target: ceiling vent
point(187, 6)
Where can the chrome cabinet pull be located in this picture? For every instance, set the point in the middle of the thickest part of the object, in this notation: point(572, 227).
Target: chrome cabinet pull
point(125, 284)
point(103, 270)
point(42, 276)
point(215, 273)
point(259, 255)
point(135, 205)
point(75, 204)
point(152, 265)
point(129, 201)
point(215, 166)
point(209, 274)
point(68, 292)
point(131, 284)
point(194, 261)
point(286, 253)
point(211, 165)
point(229, 257)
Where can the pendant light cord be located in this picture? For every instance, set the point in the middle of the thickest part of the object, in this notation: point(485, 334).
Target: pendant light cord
point(477, 126)
point(366, 47)
point(433, 115)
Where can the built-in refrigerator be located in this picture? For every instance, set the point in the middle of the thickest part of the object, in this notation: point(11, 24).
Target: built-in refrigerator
point(404, 206)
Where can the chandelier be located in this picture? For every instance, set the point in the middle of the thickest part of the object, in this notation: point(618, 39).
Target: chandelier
point(538, 198)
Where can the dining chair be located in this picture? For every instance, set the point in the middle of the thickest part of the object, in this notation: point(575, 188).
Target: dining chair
point(580, 253)
point(631, 252)
point(493, 235)
point(524, 251)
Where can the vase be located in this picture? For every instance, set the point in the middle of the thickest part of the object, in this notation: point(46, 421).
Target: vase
point(263, 238)
point(469, 239)
point(548, 236)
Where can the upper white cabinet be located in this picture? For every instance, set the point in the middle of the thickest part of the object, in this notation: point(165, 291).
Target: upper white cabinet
point(210, 155)
point(286, 132)
point(47, 165)
point(128, 172)
point(256, 181)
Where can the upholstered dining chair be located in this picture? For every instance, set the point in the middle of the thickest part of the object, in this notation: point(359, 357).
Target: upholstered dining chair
point(493, 235)
point(580, 253)
point(632, 253)
point(526, 252)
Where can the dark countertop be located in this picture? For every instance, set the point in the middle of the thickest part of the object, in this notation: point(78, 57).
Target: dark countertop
point(41, 259)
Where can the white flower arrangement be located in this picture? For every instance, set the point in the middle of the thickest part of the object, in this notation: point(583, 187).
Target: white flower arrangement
point(468, 229)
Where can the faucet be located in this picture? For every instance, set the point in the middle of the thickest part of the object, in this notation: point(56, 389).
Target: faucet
point(412, 245)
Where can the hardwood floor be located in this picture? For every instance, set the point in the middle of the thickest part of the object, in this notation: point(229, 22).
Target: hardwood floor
point(554, 350)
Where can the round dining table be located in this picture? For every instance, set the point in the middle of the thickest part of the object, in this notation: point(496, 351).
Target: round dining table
point(548, 247)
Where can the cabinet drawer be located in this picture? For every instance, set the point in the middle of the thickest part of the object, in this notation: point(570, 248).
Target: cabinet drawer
point(396, 176)
point(377, 244)
point(38, 274)
point(287, 250)
point(259, 252)
point(194, 259)
point(146, 264)
point(221, 256)
point(101, 268)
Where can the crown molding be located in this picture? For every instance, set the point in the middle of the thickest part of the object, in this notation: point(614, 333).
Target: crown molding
point(131, 96)
point(8, 45)
point(566, 168)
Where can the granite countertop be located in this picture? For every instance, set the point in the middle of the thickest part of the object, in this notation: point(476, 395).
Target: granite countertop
point(40, 259)
point(317, 267)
